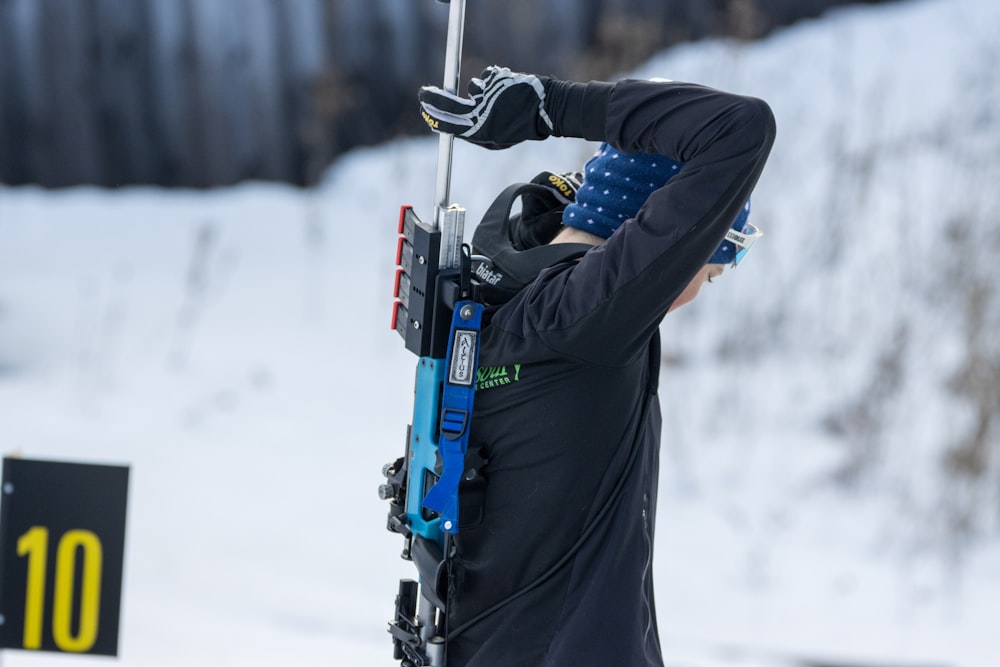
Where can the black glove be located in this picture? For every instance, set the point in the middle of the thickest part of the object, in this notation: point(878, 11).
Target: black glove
point(541, 211)
point(504, 108)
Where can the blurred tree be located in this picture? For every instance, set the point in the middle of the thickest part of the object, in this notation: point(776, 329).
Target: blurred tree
point(201, 93)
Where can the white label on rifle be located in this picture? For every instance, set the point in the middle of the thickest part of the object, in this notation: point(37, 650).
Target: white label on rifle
point(463, 358)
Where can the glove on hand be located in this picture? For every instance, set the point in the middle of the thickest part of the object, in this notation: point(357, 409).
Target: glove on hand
point(542, 212)
point(564, 186)
point(504, 108)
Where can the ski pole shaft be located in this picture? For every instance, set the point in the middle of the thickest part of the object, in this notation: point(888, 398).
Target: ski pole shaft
point(450, 219)
point(452, 72)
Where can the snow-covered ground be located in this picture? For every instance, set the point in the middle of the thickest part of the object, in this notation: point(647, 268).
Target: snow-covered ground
point(233, 348)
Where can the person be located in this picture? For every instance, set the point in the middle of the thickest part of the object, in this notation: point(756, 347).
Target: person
point(555, 544)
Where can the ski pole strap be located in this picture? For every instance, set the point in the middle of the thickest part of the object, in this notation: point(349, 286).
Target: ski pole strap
point(456, 410)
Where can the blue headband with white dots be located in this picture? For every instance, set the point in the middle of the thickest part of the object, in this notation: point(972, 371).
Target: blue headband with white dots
point(616, 185)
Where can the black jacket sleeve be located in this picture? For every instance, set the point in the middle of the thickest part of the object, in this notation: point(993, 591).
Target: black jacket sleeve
point(604, 308)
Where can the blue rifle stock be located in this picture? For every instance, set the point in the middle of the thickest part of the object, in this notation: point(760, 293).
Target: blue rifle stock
point(438, 318)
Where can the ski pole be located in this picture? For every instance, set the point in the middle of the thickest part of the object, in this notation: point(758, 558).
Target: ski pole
point(450, 219)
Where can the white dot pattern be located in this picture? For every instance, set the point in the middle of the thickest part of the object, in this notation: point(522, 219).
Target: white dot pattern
point(614, 190)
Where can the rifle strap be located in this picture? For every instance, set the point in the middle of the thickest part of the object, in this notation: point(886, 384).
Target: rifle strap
point(456, 410)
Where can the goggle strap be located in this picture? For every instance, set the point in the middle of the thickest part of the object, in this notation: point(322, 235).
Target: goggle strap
point(743, 241)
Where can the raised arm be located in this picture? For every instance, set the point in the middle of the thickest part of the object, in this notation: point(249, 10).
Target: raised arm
point(606, 307)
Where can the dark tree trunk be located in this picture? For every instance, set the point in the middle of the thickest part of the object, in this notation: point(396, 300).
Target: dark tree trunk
point(201, 93)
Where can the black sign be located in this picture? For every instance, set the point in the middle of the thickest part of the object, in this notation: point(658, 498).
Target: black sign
point(62, 544)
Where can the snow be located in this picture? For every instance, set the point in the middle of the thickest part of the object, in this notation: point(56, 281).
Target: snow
point(233, 348)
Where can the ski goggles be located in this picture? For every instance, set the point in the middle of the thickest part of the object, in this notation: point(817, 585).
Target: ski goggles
point(743, 240)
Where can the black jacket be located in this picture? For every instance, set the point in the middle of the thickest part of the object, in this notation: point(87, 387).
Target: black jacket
point(555, 547)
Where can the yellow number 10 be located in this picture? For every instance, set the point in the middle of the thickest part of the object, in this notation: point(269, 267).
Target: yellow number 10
point(35, 545)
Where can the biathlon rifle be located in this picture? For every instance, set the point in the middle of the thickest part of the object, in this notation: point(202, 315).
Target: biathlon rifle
point(437, 314)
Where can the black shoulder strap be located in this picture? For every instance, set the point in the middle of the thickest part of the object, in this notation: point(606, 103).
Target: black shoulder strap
point(503, 262)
